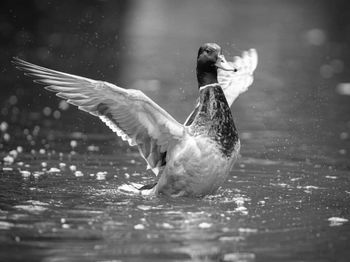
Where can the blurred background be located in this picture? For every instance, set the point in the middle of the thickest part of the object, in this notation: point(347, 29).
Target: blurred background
point(297, 108)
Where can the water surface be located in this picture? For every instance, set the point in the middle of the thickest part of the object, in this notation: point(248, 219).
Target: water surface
point(66, 206)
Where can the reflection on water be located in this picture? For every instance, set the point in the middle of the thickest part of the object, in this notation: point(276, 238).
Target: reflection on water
point(267, 211)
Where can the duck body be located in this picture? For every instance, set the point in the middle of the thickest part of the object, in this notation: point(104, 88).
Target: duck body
point(192, 159)
point(200, 163)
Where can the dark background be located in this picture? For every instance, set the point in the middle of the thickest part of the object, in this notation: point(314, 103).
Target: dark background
point(294, 105)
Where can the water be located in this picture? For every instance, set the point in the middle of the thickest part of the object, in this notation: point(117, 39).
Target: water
point(269, 210)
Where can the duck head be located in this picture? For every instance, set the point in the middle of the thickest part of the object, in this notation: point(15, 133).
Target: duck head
point(209, 59)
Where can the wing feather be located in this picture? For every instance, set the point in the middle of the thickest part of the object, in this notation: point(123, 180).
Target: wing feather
point(129, 113)
point(236, 83)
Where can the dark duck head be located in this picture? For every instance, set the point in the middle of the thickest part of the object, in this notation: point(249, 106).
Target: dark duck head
point(209, 59)
point(213, 116)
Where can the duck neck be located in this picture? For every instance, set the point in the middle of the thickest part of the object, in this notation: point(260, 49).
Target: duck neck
point(206, 78)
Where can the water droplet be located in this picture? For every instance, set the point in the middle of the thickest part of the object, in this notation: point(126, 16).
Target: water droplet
point(167, 225)
point(343, 89)
point(62, 166)
point(93, 148)
point(205, 225)
point(13, 153)
point(63, 105)
point(7, 137)
point(25, 173)
point(8, 160)
point(78, 173)
point(36, 130)
point(331, 177)
point(47, 111)
point(139, 227)
point(344, 135)
point(101, 175)
point(54, 170)
point(57, 114)
point(73, 143)
point(342, 151)
point(42, 151)
point(13, 100)
point(19, 149)
point(3, 126)
point(65, 226)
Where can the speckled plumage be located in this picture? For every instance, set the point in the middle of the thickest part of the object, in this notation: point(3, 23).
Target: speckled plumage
point(214, 119)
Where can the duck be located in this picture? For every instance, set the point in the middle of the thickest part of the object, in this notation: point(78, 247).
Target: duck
point(191, 159)
point(233, 82)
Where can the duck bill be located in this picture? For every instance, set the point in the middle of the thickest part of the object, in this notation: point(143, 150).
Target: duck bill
point(224, 65)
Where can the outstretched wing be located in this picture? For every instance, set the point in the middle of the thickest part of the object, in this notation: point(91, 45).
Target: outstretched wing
point(234, 83)
point(129, 113)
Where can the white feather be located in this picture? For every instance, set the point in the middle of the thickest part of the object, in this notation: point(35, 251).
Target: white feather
point(129, 113)
point(236, 83)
